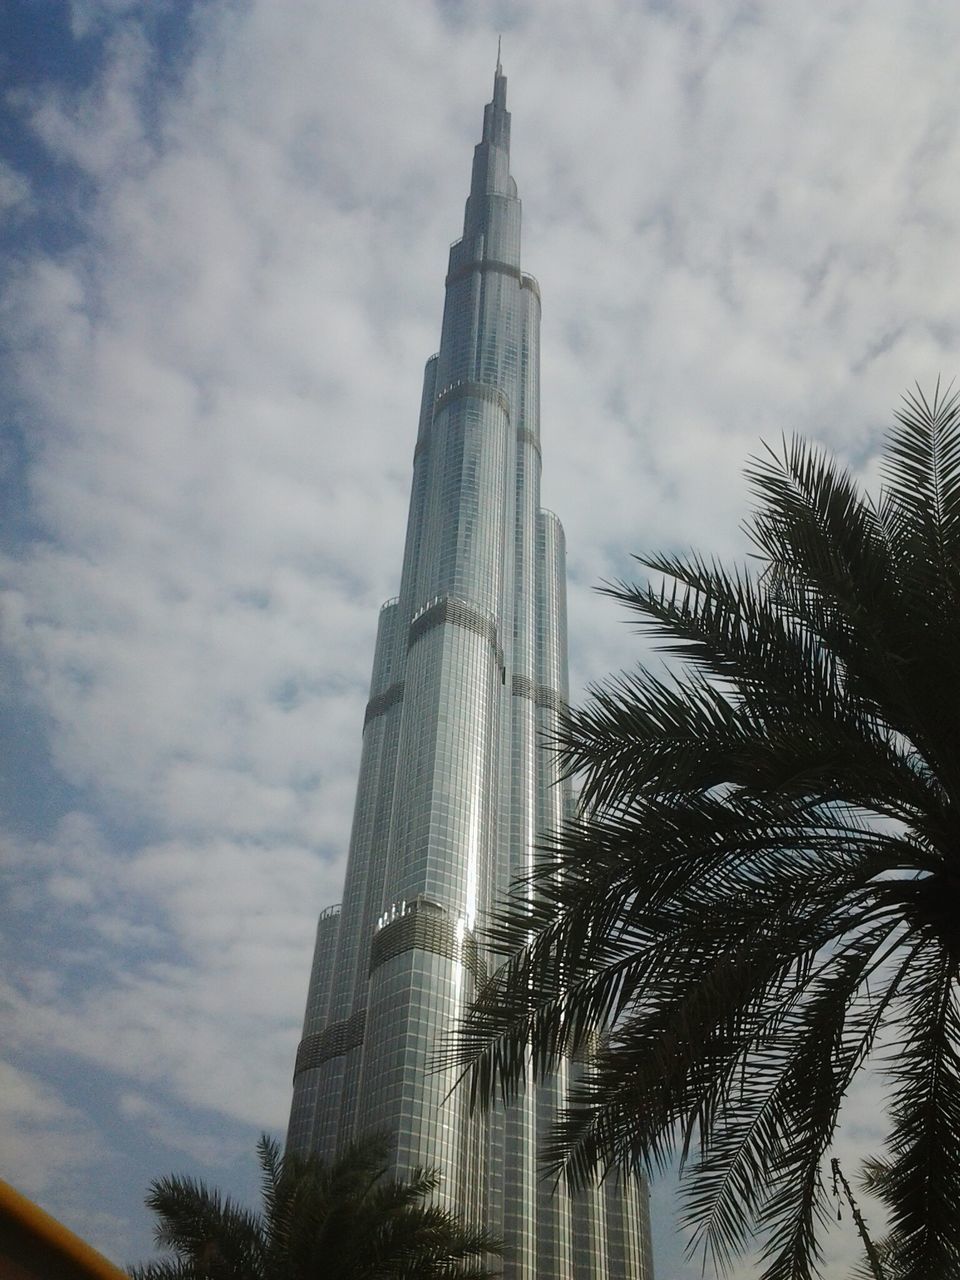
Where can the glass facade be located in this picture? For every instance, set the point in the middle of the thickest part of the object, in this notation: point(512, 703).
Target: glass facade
point(455, 786)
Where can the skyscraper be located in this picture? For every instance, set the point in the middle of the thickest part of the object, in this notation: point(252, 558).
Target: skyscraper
point(455, 786)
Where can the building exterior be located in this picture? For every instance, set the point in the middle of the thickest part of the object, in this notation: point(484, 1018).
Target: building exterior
point(455, 788)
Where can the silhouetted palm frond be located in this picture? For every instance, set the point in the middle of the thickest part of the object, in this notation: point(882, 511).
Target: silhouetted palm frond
point(765, 874)
point(343, 1220)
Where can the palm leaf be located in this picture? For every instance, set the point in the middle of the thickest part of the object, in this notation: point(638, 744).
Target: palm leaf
point(765, 874)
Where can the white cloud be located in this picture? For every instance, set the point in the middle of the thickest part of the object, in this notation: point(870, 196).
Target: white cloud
point(101, 129)
point(160, 965)
point(206, 1149)
point(16, 196)
point(43, 1136)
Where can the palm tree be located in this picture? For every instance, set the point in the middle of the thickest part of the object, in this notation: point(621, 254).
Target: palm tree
point(762, 891)
point(340, 1221)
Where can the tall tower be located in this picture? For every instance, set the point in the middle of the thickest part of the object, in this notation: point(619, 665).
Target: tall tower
point(455, 787)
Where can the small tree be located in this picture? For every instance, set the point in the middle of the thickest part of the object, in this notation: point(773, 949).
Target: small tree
point(342, 1220)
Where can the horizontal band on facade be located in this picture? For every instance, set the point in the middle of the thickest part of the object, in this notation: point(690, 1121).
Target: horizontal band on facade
point(547, 697)
point(586, 1054)
point(541, 694)
point(458, 614)
point(527, 437)
point(332, 1042)
point(425, 926)
point(531, 283)
point(523, 437)
point(467, 390)
point(383, 702)
point(487, 264)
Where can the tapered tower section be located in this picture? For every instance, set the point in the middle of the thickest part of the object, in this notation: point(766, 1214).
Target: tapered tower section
point(455, 786)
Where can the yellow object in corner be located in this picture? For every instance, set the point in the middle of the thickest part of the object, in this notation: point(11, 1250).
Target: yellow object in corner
point(35, 1246)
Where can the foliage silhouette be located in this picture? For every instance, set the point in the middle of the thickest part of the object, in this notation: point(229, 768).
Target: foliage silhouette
point(342, 1220)
point(765, 875)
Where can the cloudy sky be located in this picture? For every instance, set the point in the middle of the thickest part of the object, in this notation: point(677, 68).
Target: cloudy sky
point(224, 228)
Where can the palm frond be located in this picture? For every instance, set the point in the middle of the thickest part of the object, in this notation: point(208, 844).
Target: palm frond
point(343, 1218)
point(764, 874)
point(920, 1185)
point(922, 469)
point(205, 1228)
point(170, 1270)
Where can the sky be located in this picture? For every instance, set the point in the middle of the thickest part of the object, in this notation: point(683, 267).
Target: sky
point(224, 229)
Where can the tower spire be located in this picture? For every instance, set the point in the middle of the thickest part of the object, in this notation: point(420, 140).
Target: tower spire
point(496, 118)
